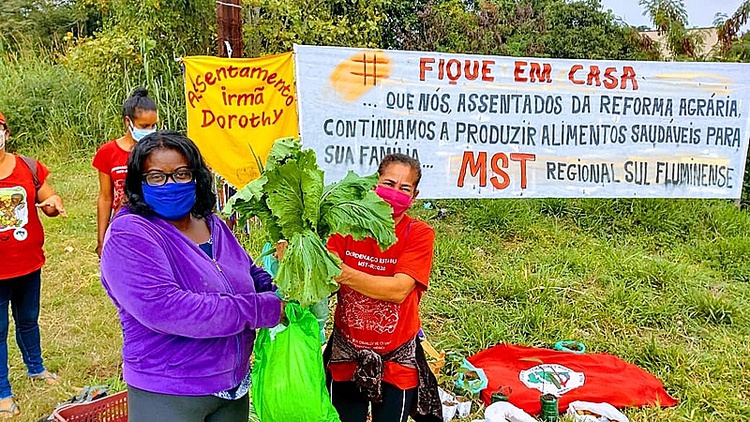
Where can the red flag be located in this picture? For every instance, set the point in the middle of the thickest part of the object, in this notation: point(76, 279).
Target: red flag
point(595, 377)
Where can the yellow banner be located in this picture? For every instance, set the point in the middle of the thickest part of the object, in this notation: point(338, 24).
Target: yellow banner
point(237, 108)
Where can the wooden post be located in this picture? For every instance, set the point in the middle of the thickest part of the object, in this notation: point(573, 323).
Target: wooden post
point(229, 19)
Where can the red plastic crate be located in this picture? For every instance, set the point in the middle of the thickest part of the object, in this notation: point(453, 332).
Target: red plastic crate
point(112, 408)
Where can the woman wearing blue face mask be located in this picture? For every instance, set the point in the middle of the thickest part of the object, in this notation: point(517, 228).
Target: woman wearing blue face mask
point(188, 296)
point(139, 117)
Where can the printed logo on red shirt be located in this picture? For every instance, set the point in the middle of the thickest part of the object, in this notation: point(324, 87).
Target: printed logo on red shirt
point(14, 213)
point(21, 234)
point(118, 175)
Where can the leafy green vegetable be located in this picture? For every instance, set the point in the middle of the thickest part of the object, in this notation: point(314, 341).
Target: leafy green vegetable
point(309, 268)
point(290, 200)
point(352, 207)
point(253, 204)
point(291, 191)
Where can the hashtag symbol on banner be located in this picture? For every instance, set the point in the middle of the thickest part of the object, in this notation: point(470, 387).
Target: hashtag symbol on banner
point(361, 72)
point(369, 68)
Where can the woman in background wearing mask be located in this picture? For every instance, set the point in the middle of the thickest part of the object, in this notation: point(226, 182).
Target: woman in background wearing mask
point(140, 117)
point(24, 189)
point(374, 356)
point(188, 296)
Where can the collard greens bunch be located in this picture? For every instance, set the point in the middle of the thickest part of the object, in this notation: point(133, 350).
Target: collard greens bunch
point(292, 203)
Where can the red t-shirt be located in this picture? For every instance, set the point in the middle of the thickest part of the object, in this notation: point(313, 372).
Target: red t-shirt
point(380, 325)
point(111, 159)
point(21, 234)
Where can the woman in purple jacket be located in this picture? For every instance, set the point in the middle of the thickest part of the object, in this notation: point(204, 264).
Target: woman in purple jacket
point(188, 296)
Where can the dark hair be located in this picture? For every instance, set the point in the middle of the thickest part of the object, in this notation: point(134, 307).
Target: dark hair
point(167, 139)
point(137, 103)
point(402, 159)
point(4, 123)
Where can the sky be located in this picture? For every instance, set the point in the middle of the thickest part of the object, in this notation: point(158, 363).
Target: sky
point(700, 12)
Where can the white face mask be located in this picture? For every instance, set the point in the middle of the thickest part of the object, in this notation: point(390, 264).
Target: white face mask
point(3, 136)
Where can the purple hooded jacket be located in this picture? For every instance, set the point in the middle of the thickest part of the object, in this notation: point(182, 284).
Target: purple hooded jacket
point(188, 321)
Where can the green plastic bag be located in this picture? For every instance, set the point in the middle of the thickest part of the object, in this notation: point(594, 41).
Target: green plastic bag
point(320, 309)
point(288, 380)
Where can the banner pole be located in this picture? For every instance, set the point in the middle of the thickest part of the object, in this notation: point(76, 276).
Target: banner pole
point(229, 28)
point(229, 19)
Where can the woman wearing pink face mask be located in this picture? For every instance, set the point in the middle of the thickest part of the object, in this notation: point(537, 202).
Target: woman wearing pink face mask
point(374, 356)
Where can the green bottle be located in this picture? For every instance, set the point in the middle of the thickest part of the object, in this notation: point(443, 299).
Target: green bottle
point(549, 408)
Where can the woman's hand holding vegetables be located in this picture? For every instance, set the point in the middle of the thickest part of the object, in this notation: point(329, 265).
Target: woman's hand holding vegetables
point(282, 317)
point(281, 249)
point(347, 275)
point(389, 288)
point(292, 202)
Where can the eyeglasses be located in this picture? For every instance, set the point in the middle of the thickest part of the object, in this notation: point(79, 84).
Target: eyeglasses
point(159, 178)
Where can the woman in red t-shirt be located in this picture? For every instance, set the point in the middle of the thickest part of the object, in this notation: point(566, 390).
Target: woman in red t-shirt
point(140, 117)
point(23, 190)
point(374, 356)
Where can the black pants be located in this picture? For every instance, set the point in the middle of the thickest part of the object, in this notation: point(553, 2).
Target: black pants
point(144, 406)
point(353, 405)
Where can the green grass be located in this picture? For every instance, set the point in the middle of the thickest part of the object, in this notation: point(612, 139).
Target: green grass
point(661, 283)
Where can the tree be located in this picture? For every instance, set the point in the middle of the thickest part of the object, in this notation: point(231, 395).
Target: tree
point(734, 47)
point(47, 22)
point(278, 24)
point(139, 44)
point(671, 20)
point(177, 27)
point(582, 30)
point(729, 31)
point(543, 28)
point(400, 22)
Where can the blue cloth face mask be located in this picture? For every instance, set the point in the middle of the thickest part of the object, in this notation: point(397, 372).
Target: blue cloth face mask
point(139, 134)
point(171, 201)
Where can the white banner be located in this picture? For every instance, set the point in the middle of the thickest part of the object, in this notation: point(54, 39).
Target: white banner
point(492, 127)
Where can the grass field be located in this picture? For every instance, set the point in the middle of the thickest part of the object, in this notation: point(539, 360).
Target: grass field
point(663, 284)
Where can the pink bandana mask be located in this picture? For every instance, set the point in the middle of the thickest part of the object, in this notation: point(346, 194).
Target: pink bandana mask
point(398, 200)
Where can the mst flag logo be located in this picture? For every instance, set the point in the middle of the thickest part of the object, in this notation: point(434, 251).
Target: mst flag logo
point(552, 378)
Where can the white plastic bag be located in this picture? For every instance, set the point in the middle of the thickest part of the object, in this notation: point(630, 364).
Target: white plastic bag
point(444, 395)
point(583, 411)
point(453, 407)
point(449, 403)
point(449, 411)
point(503, 411)
point(464, 407)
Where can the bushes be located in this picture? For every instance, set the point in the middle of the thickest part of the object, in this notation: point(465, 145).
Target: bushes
point(70, 96)
point(46, 103)
point(73, 102)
